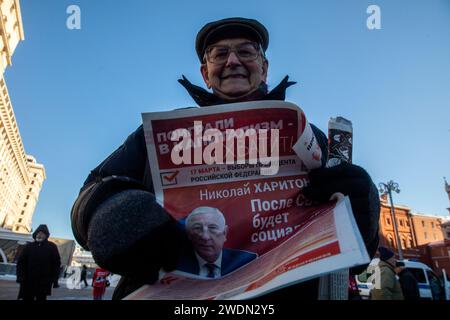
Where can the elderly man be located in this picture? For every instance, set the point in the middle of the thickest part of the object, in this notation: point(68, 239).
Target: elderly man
point(207, 231)
point(38, 266)
point(116, 215)
point(387, 286)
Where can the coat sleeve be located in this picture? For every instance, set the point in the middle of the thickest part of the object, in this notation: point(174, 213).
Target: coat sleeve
point(56, 262)
point(22, 263)
point(366, 208)
point(387, 283)
point(122, 170)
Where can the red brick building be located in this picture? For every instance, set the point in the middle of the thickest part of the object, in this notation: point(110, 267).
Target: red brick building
point(422, 237)
point(438, 254)
point(427, 228)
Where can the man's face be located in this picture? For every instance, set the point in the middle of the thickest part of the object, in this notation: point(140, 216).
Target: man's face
point(208, 235)
point(40, 236)
point(234, 78)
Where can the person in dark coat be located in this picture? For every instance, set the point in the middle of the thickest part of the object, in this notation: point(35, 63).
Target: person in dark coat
point(84, 275)
point(387, 286)
point(38, 266)
point(409, 284)
point(116, 215)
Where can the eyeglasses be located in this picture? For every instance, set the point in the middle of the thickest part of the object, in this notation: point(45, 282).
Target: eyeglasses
point(246, 52)
point(212, 229)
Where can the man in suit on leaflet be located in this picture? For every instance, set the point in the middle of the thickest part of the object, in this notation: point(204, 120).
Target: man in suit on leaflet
point(207, 231)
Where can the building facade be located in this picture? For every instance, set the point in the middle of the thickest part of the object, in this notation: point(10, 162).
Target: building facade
point(11, 29)
point(422, 236)
point(387, 233)
point(446, 229)
point(21, 177)
point(427, 228)
point(37, 176)
point(82, 257)
point(438, 255)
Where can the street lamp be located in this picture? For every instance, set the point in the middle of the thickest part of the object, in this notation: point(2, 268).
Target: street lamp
point(388, 188)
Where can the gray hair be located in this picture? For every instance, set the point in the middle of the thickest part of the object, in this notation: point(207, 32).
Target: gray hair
point(203, 210)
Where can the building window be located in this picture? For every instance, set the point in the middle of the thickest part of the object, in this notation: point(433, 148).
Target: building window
point(419, 274)
point(425, 234)
point(448, 234)
point(388, 221)
point(410, 243)
point(423, 223)
point(401, 222)
point(35, 175)
point(28, 197)
point(391, 242)
point(432, 225)
point(17, 228)
point(20, 220)
point(407, 223)
point(23, 212)
point(403, 243)
point(31, 189)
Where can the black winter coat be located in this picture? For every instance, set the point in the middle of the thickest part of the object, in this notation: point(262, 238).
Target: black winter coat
point(128, 168)
point(409, 284)
point(38, 267)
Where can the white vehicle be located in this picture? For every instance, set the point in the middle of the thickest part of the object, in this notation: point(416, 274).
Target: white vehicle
point(430, 286)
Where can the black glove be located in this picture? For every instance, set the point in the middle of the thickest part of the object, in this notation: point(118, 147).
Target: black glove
point(130, 234)
point(355, 182)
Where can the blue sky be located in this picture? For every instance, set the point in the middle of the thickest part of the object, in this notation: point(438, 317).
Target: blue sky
point(77, 94)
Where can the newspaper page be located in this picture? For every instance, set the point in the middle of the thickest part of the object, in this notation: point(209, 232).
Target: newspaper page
point(229, 175)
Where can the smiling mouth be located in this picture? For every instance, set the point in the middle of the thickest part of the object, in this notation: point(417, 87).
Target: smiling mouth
point(234, 76)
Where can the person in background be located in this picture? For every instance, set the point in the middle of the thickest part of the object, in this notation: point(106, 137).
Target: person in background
point(83, 275)
point(409, 284)
point(38, 266)
point(387, 287)
point(99, 282)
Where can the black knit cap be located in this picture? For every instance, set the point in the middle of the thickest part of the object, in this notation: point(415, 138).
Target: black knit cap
point(231, 28)
point(385, 253)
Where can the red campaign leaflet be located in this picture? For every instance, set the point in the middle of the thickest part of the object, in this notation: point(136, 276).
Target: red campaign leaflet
point(249, 229)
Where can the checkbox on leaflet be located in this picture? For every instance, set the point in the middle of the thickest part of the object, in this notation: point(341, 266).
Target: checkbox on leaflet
point(169, 178)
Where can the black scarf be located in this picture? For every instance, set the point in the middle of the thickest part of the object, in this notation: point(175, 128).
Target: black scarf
point(205, 98)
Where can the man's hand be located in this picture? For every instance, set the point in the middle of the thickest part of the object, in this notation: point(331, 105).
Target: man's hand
point(355, 182)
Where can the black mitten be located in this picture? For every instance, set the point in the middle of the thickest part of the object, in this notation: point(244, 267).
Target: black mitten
point(132, 235)
point(355, 182)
